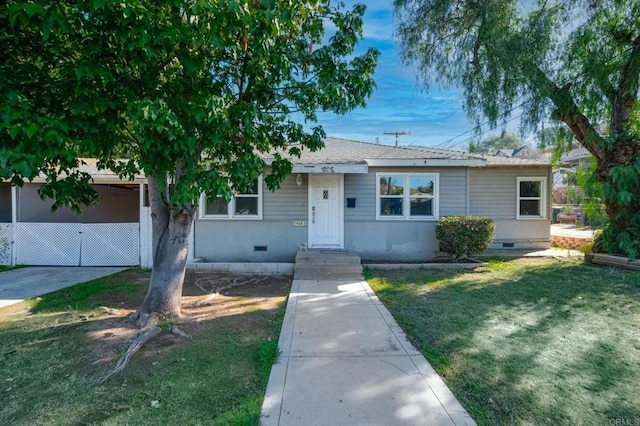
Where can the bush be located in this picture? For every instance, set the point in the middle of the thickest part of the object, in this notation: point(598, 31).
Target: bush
point(465, 235)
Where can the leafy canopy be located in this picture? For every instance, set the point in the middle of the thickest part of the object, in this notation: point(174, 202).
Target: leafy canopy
point(509, 53)
point(192, 92)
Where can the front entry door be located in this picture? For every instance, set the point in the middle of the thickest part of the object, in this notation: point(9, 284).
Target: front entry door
point(326, 225)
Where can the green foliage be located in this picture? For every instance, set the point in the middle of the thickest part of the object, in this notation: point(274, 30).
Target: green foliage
point(621, 233)
point(193, 93)
point(465, 235)
point(492, 144)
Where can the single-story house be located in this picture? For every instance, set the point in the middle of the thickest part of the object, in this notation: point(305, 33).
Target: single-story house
point(379, 201)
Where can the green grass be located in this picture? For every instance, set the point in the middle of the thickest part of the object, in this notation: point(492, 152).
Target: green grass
point(543, 342)
point(47, 371)
point(4, 268)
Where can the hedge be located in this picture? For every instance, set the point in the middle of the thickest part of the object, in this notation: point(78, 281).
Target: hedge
point(465, 235)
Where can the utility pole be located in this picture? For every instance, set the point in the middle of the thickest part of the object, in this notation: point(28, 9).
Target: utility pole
point(397, 134)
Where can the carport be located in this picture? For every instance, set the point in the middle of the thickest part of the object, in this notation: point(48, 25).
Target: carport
point(115, 232)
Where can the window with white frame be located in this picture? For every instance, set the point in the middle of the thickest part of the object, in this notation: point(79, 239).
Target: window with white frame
point(243, 205)
point(407, 196)
point(531, 203)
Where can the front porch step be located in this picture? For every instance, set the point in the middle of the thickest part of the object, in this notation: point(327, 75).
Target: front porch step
point(327, 265)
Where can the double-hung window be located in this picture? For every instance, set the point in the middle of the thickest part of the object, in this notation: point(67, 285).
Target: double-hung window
point(243, 205)
point(407, 196)
point(531, 202)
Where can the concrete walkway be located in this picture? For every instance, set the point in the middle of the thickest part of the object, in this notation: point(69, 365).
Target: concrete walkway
point(20, 284)
point(345, 361)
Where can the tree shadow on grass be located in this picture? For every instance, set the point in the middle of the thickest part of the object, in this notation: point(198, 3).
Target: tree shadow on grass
point(547, 343)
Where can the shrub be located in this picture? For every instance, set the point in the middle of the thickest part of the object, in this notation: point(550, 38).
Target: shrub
point(465, 235)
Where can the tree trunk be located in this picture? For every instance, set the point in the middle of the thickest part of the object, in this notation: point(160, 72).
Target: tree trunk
point(171, 228)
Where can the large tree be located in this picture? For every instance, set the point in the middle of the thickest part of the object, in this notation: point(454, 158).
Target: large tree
point(576, 61)
point(192, 92)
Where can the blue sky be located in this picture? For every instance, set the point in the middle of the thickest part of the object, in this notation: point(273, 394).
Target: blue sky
point(400, 103)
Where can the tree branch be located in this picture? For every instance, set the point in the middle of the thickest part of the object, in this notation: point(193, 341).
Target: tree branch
point(566, 110)
point(627, 91)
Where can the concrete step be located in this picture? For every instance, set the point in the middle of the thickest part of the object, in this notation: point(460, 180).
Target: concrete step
point(330, 269)
point(327, 258)
point(327, 265)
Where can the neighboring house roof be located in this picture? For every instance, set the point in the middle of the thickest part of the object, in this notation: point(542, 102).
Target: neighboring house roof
point(521, 152)
point(576, 156)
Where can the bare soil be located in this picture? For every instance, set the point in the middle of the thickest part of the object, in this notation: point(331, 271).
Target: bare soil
point(205, 297)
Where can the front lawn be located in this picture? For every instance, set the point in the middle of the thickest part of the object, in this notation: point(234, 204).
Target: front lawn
point(527, 342)
point(53, 349)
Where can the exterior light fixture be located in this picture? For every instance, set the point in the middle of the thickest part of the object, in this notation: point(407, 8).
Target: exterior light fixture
point(299, 179)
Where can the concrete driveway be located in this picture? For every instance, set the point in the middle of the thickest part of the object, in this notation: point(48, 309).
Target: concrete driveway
point(20, 284)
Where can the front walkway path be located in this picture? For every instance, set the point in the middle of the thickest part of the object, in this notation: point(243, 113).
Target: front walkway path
point(345, 361)
point(19, 284)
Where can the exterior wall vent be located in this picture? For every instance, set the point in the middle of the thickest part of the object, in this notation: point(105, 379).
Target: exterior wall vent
point(259, 248)
point(508, 245)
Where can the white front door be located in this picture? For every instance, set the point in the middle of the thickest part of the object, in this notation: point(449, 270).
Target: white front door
point(326, 224)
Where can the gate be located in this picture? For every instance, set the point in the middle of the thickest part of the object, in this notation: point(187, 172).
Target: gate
point(110, 244)
point(6, 235)
point(77, 244)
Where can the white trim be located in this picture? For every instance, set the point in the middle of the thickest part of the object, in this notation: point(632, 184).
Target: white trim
point(543, 197)
point(406, 196)
point(146, 230)
point(328, 168)
point(340, 217)
point(231, 207)
point(430, 163)
point(14, 220)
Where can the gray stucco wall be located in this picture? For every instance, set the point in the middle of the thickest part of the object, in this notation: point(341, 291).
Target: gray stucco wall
point(5, 202)
point(235, 240)
point(493, 192)
point(232, 240)
point(117, 205)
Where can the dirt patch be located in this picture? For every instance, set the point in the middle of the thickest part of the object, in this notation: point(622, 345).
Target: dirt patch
point(205, 297)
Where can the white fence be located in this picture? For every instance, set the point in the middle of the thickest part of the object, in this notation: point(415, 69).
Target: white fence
point(76, 244)
point(6, 235)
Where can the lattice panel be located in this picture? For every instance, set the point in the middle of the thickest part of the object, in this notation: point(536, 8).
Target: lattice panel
point(110, 244)
point(56, 244)
point(6, 234)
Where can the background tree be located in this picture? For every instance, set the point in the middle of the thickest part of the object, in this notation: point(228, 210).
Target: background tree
point(575, 61)
point(494, 143)
point(195, 92)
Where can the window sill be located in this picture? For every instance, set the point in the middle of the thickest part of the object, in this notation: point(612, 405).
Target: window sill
point(240, 218)
point(407, 219)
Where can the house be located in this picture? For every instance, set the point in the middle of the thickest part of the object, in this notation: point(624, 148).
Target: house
point(521, 152)
point(379, 201)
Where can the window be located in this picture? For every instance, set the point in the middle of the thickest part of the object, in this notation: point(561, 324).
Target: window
point(243, 205)
point(532, 198)
point(407, 196)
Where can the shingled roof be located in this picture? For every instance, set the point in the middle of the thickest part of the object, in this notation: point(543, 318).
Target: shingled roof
point(344, 151)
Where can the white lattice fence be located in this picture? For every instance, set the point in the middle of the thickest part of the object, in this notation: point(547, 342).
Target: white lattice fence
point(56, 244)
point(6, 234)
point(110, 244)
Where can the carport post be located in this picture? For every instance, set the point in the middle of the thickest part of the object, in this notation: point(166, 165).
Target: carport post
point(14, 221)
